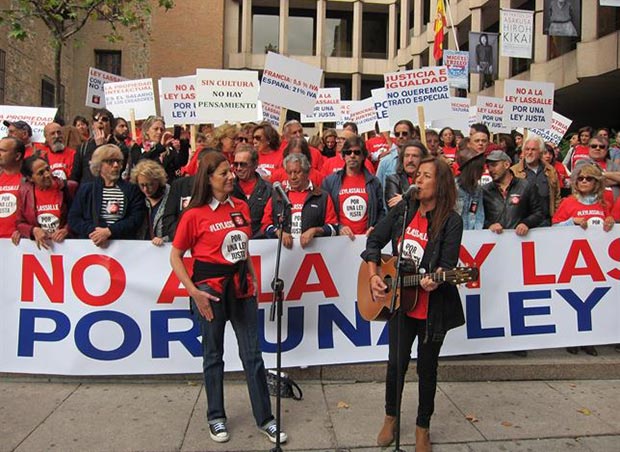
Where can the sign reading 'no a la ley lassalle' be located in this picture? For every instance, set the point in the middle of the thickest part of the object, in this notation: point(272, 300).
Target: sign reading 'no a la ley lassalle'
point(177, 99)
point(528, 104)
point(226, 95)
point(427, 87)
point(95, 95)
point(136, 95)
point(490, 112)
point(290, 84)
point(327, 107)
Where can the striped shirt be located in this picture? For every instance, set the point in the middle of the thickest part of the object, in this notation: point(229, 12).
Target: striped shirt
point(113, 205)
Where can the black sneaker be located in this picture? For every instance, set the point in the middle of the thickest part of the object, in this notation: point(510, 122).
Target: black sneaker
point(270, 431)
point(218, 432)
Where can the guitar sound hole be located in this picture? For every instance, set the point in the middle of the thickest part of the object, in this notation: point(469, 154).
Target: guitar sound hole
point(388, 282)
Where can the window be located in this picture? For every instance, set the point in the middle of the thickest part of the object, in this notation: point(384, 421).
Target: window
point(47, 94)
point(374, 35)
point(108, 60)
point(2, 75)
point(344, 84)
point(369, 83)
point(338, 41)
point(301, 36)
point(265, 29)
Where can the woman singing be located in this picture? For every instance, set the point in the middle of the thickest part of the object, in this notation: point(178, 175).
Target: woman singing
point(432, 242)
point(216, 228)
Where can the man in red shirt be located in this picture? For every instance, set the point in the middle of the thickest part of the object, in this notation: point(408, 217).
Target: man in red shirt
point(59, 156)
point(12, 152)
point(294, 129)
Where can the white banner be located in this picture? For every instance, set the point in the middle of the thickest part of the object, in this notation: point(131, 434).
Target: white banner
point(95, 95)
point(379, 98)
point(517, 31)
point(36, 117)
point(177, 100)
point(459, 120)
point(327, 107)
point(490, 111)
point(271, 113)
point(82, 310)
point(427, 87)
point(528, 104)
point(559, 126)
point(345, 113)
point(121, 97)
point(457, 63)
point(226, 95)
point(615, 3)
point(364, 115)
point(290, 83)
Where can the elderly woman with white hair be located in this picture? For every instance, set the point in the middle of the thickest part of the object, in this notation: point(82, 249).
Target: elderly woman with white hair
point(108, 207)
point(150, 178)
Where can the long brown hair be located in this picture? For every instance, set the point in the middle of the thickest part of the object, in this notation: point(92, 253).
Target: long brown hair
point(202, 192)
point(445, 195)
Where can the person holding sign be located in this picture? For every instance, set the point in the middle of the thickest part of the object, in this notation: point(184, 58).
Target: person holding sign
point(44, 202)
point(357, 194)
point(312, 210)
point(216, 228)
point(432, 241)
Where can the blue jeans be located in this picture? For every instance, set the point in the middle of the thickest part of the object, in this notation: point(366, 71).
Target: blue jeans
point(244, 319)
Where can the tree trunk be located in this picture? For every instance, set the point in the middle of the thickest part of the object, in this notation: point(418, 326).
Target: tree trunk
point(58, 82)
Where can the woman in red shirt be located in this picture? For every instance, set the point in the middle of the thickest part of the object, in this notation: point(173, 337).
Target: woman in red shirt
point(43, 202)
point(216, 228)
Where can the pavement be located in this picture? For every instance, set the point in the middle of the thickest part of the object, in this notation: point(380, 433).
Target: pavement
point(565, 408)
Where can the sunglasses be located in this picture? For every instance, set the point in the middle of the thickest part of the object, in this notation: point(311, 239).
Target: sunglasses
point(351, 151)
point(241, 139)
point(598, 146)
point(401, 134)
point(257, 137)
point(585, 179)
point(240, 164)
point(113, 161)
point(102, 119)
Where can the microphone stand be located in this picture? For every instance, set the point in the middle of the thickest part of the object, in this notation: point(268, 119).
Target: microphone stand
point(277, 285)
point(397, 284)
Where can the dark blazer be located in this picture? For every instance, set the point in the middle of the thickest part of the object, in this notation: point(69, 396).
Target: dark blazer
point(257, 202)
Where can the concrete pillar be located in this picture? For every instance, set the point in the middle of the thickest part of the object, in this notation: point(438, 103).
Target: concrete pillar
point(418, 16)
point(391, 31)
point(541, 42)
point(503, 69)
point(283, 28)
point(320, 28)
point(246, 27)
point(356, 86)
point(357, 29)
point(589, 20)
point(404, 23)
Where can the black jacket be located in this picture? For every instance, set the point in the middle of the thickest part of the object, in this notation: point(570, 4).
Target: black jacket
point(257, 202)
point(445, 310)
point(81, 161)
point(395, 184)
point(172, 161)
point(521, 205)
point(179, 195)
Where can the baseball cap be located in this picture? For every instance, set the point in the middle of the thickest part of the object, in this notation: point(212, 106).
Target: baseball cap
point(498, 156)
point(21, 125)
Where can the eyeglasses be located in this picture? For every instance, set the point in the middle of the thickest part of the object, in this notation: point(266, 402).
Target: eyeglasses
point(113, 161)
point(102, 119)
point(257, 137)
point(241, 139)
point(401, 134)
point(598, 146)
point(352, 151)
point(585, 179)
point(240, 164)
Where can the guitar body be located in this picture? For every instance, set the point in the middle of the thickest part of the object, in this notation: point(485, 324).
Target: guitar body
point(373, 310)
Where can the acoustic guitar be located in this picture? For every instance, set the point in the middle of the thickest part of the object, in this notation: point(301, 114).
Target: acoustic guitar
point(375, 310)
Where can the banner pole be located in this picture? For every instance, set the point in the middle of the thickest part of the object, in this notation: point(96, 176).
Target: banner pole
point(282, 120)
point(132, 123)
point(421, 124)
point(456, 41)
point(192, 138)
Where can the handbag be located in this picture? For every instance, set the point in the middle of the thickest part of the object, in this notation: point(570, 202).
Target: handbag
point(288, 388)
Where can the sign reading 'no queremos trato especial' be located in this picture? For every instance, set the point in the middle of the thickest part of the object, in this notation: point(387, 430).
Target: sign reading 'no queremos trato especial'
point(290, 84)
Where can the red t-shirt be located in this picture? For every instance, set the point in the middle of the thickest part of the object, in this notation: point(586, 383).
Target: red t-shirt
point(279, 175)
point(571, 208)
point(217, 236)
point(267, 164)
point(315, 155)
point(415, 241)
point(353, 203)
point(49, 204)
point(449, 152)
point(376, 146)
point(61, 163)
point(615, 212)
point(336, 163)
point(247, 186)
point(9, 186)
point(581, 152)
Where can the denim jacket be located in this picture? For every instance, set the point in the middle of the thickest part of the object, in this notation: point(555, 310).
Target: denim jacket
point(470, 207)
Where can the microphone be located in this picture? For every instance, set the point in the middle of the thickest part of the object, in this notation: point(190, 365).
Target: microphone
point(413, 188)
point(277, 186)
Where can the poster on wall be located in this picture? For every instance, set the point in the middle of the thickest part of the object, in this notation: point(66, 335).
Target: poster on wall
point(562, 18)
point(483, 56)
point(517, 32)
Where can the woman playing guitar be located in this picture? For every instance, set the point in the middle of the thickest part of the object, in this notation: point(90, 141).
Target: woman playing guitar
point(432, 241)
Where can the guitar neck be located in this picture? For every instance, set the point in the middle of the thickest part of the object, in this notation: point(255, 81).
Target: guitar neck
point(414, 280)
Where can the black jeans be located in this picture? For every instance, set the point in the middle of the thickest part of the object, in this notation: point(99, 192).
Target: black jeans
point(428, 355)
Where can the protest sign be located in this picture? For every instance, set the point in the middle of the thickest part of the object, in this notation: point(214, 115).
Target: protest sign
point(271, 113)
point(459, 119)
point(457, 63)
point(36, 117)
point(528, 104)
point(615, 3)
point(379, 98)
point(426, 87)
point(121, 97)
point(226, 95)
point(517, 31)
point(327, 107)
point(290, 83)
point(559, 126)
point(490, 112)
point(364, 115)
point(473, 115)
point(177, 99)
point(345, 113)
point(95, 95)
